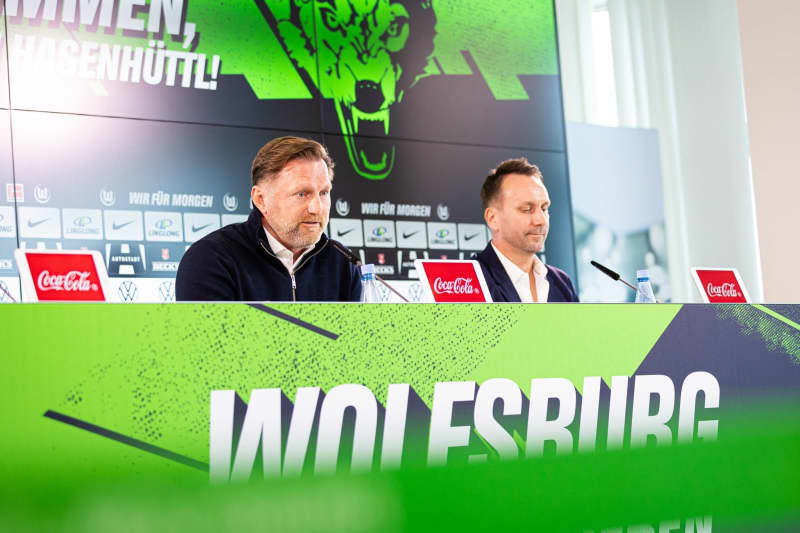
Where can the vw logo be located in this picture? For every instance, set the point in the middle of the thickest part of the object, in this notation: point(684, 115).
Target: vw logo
point(383, 293)
point(166, 291)
point(127, 291)
point(415, 292)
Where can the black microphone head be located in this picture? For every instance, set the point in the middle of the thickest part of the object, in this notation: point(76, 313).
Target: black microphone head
point(347, 252)
point(605, 270)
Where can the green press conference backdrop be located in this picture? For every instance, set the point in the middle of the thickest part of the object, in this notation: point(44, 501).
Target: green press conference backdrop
point(133, 124)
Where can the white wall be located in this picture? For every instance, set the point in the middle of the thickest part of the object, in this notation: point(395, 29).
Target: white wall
point(713, 140)
point(678, 70)
point(771, 57)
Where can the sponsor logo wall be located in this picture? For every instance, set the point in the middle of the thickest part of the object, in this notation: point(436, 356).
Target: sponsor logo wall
point(403, 126)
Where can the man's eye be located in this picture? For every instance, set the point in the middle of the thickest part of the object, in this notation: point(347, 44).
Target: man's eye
point(325, 193)
point(301, 194)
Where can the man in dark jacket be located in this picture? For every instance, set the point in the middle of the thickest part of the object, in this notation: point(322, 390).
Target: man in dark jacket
point(516, 208)
point(280, 253)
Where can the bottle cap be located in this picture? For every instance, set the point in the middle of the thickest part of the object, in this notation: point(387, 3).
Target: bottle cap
point(643, 274)
point(368, 269)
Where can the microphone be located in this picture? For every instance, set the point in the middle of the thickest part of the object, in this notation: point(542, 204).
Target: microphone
point(354, 259)
point(347, 252)
point(611, 274)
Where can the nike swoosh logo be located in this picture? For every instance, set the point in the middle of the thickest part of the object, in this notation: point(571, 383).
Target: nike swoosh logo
point(32, 224)
point(340, 233)
point(116, 226)
point(195, 229)
point(409, 235)
point(470, 237)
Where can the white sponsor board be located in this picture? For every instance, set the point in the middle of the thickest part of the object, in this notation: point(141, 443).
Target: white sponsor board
point(198, 225)
point(442, 236)
point(123, 225)
point(8, 222)
point(379, 233)
point(39, 223)
point(347, 231)
point(141, 290)
point(233, 219)
point(411, 235)
point(82, 223)
point(472, 237)
point(163, 226)
point(11, 293)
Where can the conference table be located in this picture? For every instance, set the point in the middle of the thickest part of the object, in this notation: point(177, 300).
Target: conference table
point(589, 417)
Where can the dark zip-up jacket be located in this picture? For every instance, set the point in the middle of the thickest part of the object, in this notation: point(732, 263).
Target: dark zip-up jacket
point(236, 263)
point(502, 289)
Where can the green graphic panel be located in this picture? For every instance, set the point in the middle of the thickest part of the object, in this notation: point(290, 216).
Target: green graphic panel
point(236, 31)
point(607, 341)
point(505, 39)
point(146, 371)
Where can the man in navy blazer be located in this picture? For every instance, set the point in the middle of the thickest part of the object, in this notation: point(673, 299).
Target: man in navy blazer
point(516, 208)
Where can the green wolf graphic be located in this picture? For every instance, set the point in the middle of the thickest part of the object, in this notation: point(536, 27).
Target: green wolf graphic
point(364, 54)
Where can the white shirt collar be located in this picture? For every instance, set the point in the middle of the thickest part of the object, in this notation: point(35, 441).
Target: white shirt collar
point(284, 254)
point(521, 281)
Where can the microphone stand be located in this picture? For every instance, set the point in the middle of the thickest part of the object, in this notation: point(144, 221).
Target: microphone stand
point(628, 284)
point(613, 275)
point(353, 258)
point(3, 288)
point(377, 277)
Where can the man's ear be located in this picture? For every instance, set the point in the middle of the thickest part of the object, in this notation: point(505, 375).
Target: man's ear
point(489, 216)
point(257, 196)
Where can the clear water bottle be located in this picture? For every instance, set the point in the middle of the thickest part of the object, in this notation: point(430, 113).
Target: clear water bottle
point(369, 286)
point(645, 293)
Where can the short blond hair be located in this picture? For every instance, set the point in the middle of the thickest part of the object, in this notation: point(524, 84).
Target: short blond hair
point(277, 153)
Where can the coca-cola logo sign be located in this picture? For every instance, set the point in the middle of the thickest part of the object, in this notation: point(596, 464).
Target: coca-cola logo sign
point(720, 285)
point(456, 286)
point(726, 290)
point(64, 276)
point(73, 280)
point(453, 281)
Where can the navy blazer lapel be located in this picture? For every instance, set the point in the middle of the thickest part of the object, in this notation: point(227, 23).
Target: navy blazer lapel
point(499, 277)
point(552, 286)
point(561, 289)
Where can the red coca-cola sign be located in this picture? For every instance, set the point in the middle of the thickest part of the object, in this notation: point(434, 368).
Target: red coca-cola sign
point(67, 276)
point(720, 285)
point(454, 281)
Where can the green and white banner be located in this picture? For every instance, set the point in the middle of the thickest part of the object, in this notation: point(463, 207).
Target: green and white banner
point(558, 417)
point(309, 388)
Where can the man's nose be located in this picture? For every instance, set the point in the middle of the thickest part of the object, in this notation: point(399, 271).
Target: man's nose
point(539, 218)
point(315, 204)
